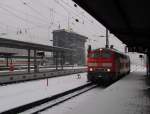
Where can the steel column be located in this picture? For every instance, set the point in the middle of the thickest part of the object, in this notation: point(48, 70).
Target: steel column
point(35, 61)
point(61, 60)
point(148, 63)
point(29, 60)
point(56, 60)
point(7, 61)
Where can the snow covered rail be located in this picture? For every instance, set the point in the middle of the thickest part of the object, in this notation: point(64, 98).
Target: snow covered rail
point(12, 78)
point(46, 103)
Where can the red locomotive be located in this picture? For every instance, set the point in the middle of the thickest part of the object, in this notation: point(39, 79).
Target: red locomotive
point(107, 64)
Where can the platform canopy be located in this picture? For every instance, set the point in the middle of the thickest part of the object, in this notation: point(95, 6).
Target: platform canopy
point(33, 46)
point(129, 20)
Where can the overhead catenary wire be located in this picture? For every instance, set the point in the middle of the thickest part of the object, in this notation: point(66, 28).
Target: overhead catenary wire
point(38, 25)
point(53, 11)
point(24, 13)
point(69, 11)
point(38, 13)
point(26, 20)
point(66, 9)
point(57, 13)
point(51, 14)
point(35, 10)
point(19, 17)
point(73, 13)
point(71, 8)
point(89, 30)
point(37, 20)
point(48, 8)
point(3, 24)
point(32, 8)
point(79, 14)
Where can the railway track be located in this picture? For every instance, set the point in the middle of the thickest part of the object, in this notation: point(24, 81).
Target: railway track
point(47, 103)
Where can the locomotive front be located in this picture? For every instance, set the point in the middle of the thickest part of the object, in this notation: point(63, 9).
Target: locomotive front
point(100, 64)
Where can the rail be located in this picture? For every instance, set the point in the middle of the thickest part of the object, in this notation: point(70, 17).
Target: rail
point(46, 103)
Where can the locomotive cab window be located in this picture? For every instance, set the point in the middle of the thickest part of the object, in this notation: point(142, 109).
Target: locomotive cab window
point(94, 55)
point(106, 54)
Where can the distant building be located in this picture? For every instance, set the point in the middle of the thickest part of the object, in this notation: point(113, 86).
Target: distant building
point(71, 40)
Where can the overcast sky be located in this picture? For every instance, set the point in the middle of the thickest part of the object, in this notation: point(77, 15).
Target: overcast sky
point(34, 21)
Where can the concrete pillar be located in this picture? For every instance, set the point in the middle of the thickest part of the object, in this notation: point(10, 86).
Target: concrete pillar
point(148, 64)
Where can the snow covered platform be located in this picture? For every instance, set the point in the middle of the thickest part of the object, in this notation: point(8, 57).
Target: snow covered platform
point(14, 95)
point(129, 95)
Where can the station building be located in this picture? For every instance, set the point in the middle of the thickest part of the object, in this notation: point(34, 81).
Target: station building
point(61, 38)
point(71, 40)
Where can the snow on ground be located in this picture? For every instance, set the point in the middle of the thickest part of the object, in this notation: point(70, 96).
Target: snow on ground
point(138, 68)
point(14, 95)
point(22, 93)
point(126, 96)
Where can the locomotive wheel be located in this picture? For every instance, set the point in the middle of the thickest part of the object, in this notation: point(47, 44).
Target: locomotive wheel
point(117, 75)
point(107, 80)
point(89, 78)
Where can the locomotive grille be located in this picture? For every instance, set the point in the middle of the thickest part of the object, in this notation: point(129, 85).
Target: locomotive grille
point(92, 64)
point(107, 64)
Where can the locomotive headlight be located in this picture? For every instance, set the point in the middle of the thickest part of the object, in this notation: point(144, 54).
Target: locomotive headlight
point(108, 70)
point(100, 49)
point(91, 69)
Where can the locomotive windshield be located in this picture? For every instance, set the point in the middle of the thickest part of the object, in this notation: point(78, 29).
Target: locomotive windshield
point(106, 54)
point(97, 54)
point(94, 55)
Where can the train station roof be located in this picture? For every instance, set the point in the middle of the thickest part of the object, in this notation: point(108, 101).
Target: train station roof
point(26, 45)
point(6, 54)
point(129, 20)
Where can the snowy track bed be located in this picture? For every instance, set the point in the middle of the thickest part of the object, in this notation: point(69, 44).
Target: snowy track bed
point(16, 95)
point(47, 103)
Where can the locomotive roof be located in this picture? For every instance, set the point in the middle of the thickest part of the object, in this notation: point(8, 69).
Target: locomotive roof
point(114, 50)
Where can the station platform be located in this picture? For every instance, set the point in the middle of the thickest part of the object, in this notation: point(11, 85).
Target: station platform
point(129, 95)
